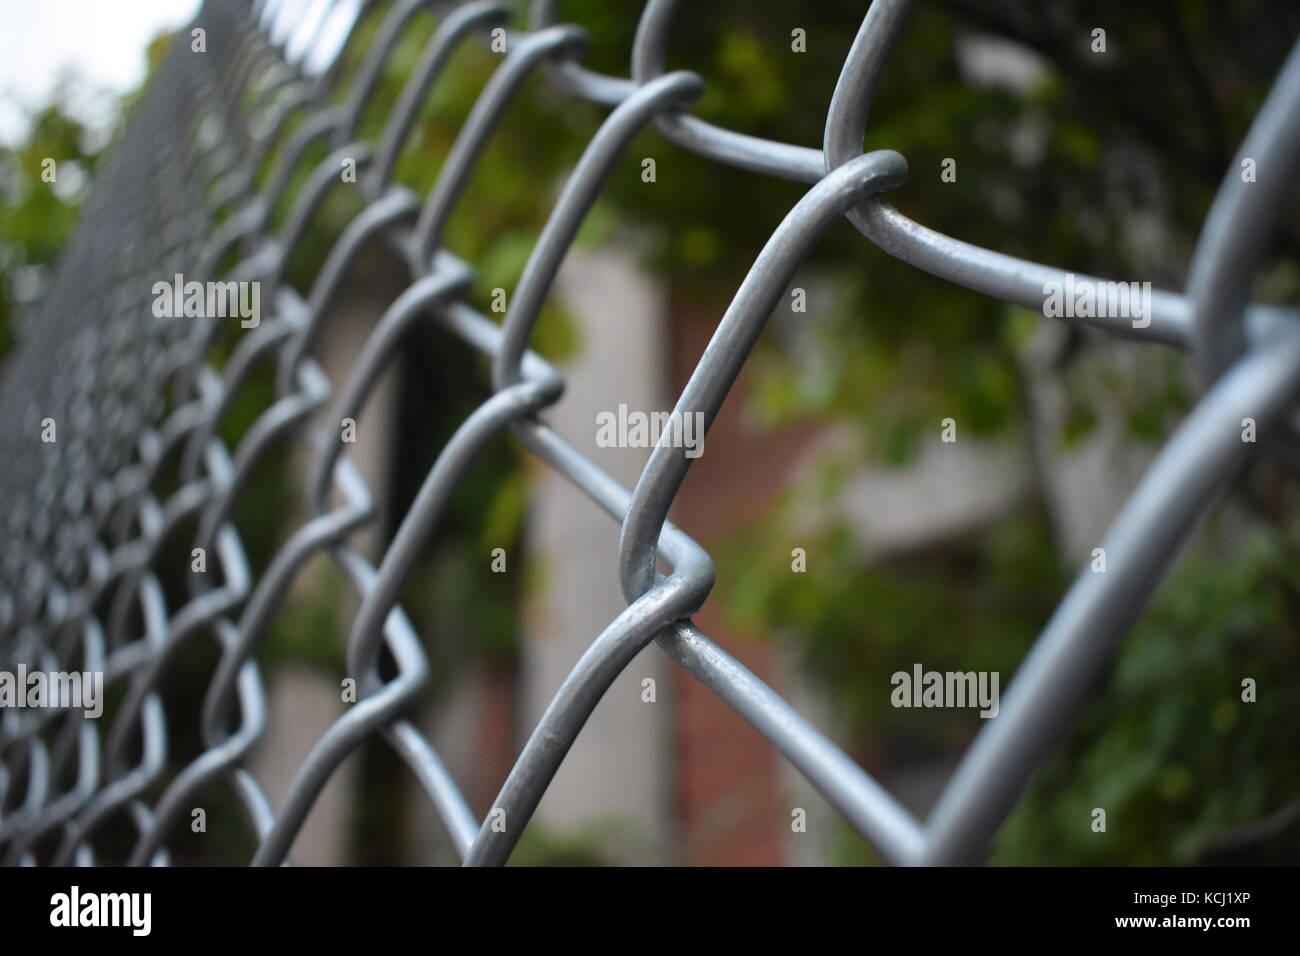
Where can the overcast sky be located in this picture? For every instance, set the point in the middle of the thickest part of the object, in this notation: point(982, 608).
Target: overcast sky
point(102, 42)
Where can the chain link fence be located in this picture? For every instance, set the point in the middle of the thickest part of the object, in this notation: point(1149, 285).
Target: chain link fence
point(103, 396)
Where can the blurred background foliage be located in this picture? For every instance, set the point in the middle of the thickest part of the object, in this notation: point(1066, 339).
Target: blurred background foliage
point(1103, 164)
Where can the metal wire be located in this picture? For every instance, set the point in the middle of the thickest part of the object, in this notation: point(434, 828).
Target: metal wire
point(86, 515)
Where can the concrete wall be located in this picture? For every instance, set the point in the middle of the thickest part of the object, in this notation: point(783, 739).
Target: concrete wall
point(618, 769)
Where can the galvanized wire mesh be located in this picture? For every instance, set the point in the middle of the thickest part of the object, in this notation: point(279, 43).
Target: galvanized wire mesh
point(129, 392)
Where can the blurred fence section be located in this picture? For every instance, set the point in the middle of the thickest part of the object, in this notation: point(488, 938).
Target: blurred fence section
point(111, 405)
